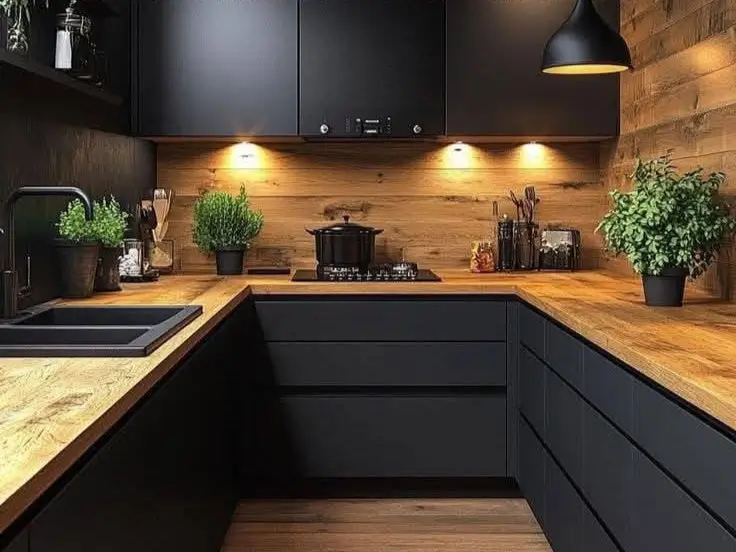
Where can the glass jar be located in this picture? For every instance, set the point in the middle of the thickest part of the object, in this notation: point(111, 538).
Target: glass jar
point(132, 262)
point(74, 49)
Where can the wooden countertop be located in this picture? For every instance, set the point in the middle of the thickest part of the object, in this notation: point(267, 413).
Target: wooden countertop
point(53, 410)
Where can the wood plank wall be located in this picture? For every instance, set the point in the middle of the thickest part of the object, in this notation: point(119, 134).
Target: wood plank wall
point(680, 97)
point(430, 199)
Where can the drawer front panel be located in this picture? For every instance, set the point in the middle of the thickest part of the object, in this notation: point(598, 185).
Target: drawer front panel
point(532, 460)
point(565, 355)
point(381, 436)
point(532, 374)
point(532, 330)
point(564, 432)
point(666, 518)
point(610, 388)
point(385, 364)
point(346, 320)
point(696, 454)
point(563, 516)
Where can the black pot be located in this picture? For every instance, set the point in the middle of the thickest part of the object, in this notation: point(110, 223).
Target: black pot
point(77, 268)
point(230, 261)
point(345, 244)
point(666, 289)
point(108, 269)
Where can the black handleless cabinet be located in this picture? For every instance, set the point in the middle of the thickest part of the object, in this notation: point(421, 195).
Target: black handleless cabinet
point(494, 82)
point(372, 60)
point(224, 68)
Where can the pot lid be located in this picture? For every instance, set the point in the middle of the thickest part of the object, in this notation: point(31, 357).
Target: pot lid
point(347, 227)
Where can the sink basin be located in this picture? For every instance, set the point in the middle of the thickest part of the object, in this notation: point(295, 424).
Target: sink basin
point(94, 331)
point(100, 316)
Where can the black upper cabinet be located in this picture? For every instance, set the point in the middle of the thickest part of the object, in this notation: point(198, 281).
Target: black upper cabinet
point(494, 82)
point(374, 60)
point(224, 68)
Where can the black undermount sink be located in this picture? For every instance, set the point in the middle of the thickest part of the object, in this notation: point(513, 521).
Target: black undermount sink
point(94, 331)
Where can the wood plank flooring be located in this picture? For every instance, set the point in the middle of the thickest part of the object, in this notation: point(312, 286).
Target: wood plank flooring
point(385, 525)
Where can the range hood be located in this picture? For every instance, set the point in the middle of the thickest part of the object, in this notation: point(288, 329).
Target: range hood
point(372, 69)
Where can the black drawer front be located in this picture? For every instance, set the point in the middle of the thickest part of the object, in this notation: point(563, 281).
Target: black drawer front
point(532, 470)
point(382, 436)
point(532, 374)
point(608, 474)
point(610, 388)
point(386, 364)
point(532, 330)
point(664, 517)
point(564, 429)
point(563, 517)
point(565, 355)
point(699, 456)
point(375, 320)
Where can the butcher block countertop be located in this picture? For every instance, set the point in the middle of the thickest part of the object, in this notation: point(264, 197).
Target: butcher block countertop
point(53, 409)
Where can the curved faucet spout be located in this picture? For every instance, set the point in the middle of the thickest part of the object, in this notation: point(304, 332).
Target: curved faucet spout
point(9, 279)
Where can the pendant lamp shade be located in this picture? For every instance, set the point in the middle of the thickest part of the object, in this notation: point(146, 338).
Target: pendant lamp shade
point(585, 45)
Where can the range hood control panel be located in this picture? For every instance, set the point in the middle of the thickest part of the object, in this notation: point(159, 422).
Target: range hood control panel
point(369, 126)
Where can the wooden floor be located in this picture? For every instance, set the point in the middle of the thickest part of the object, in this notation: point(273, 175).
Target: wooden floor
point(370, 525)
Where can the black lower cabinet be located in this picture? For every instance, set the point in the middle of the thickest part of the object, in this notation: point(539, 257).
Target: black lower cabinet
point(532, 470)
point(665, 517)
point(563, 518)
point(165, 480)
point(376, 435)
point(18, 544)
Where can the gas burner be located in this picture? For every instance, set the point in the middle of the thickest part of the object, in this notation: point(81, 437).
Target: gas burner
point(379, 272)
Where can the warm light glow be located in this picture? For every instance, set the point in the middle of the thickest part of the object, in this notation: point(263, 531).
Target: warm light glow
point(533, 155)
point(588, 69)
point(458, 146)
point(245, 156)
point(458, 156)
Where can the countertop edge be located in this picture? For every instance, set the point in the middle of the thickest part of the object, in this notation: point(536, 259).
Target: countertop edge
point(33, 489)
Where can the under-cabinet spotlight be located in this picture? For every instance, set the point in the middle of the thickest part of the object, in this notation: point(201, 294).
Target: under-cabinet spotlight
point(458, 146)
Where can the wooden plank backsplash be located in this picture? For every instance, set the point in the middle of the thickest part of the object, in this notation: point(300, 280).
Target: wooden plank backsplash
point(430, 199)
point(681, 98)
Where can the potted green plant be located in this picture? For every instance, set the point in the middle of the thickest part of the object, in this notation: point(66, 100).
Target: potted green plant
point(109, 224)
point(224, 225)
point(18, 16)
point(78, 250)
point(670, 226)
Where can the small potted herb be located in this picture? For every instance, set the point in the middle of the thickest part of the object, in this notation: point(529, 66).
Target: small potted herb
point(670, 226)
point(78, 250)
point(109, 225)
point(224, 225)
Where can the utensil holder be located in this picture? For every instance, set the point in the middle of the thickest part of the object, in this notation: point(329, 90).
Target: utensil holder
point(526, 245)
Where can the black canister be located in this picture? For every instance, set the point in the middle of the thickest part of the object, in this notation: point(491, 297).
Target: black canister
point(506, 243)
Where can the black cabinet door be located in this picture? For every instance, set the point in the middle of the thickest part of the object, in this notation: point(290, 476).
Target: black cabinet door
point(532, 470)
point(165, 480)
point(224, 68)
point(532, 375)
point(18, 544)
point(563, 518)
point(564, 429)
point(372, 59)
point(494, 82)
point(382, 435)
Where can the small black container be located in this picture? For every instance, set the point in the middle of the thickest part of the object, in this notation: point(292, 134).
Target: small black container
point(345, 244)
point(666, 289)
point(77, 268)
point(108, 269)
point(230, 261)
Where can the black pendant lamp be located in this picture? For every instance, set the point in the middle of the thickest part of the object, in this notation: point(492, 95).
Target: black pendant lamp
point(585, 45)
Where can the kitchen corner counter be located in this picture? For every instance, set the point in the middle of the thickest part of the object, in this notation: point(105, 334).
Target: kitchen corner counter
point(53, 410)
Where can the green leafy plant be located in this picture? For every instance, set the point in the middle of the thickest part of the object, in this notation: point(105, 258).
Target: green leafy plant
point(73, 224)
point(668, 219)
point(223, 221)
point(109, 222)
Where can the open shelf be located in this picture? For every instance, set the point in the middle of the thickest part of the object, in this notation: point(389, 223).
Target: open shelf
point(51, 74)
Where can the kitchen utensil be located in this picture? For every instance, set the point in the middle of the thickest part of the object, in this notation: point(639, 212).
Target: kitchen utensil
point(505, 260)
point(526, 248)
point(516, 203)
point(345, 244)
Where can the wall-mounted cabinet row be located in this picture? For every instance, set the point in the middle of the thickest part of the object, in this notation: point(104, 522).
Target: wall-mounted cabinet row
point(270, 68)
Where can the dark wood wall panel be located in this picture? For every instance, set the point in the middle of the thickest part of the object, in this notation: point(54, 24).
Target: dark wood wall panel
point(431, 200)
point(681, 97)
point(48, 138)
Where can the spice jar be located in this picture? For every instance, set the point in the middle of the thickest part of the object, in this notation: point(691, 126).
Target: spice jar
point(74, 49)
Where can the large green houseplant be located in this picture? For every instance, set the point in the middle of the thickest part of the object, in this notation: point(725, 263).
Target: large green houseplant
point(670, 226)
point(224, 224)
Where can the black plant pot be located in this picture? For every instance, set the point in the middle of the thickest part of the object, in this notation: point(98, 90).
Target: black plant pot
point(108, 269)
point(666, 289)
point(230, 261)
point(77, 268)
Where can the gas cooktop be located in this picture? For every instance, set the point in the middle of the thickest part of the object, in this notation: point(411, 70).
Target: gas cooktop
point(383, 272)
